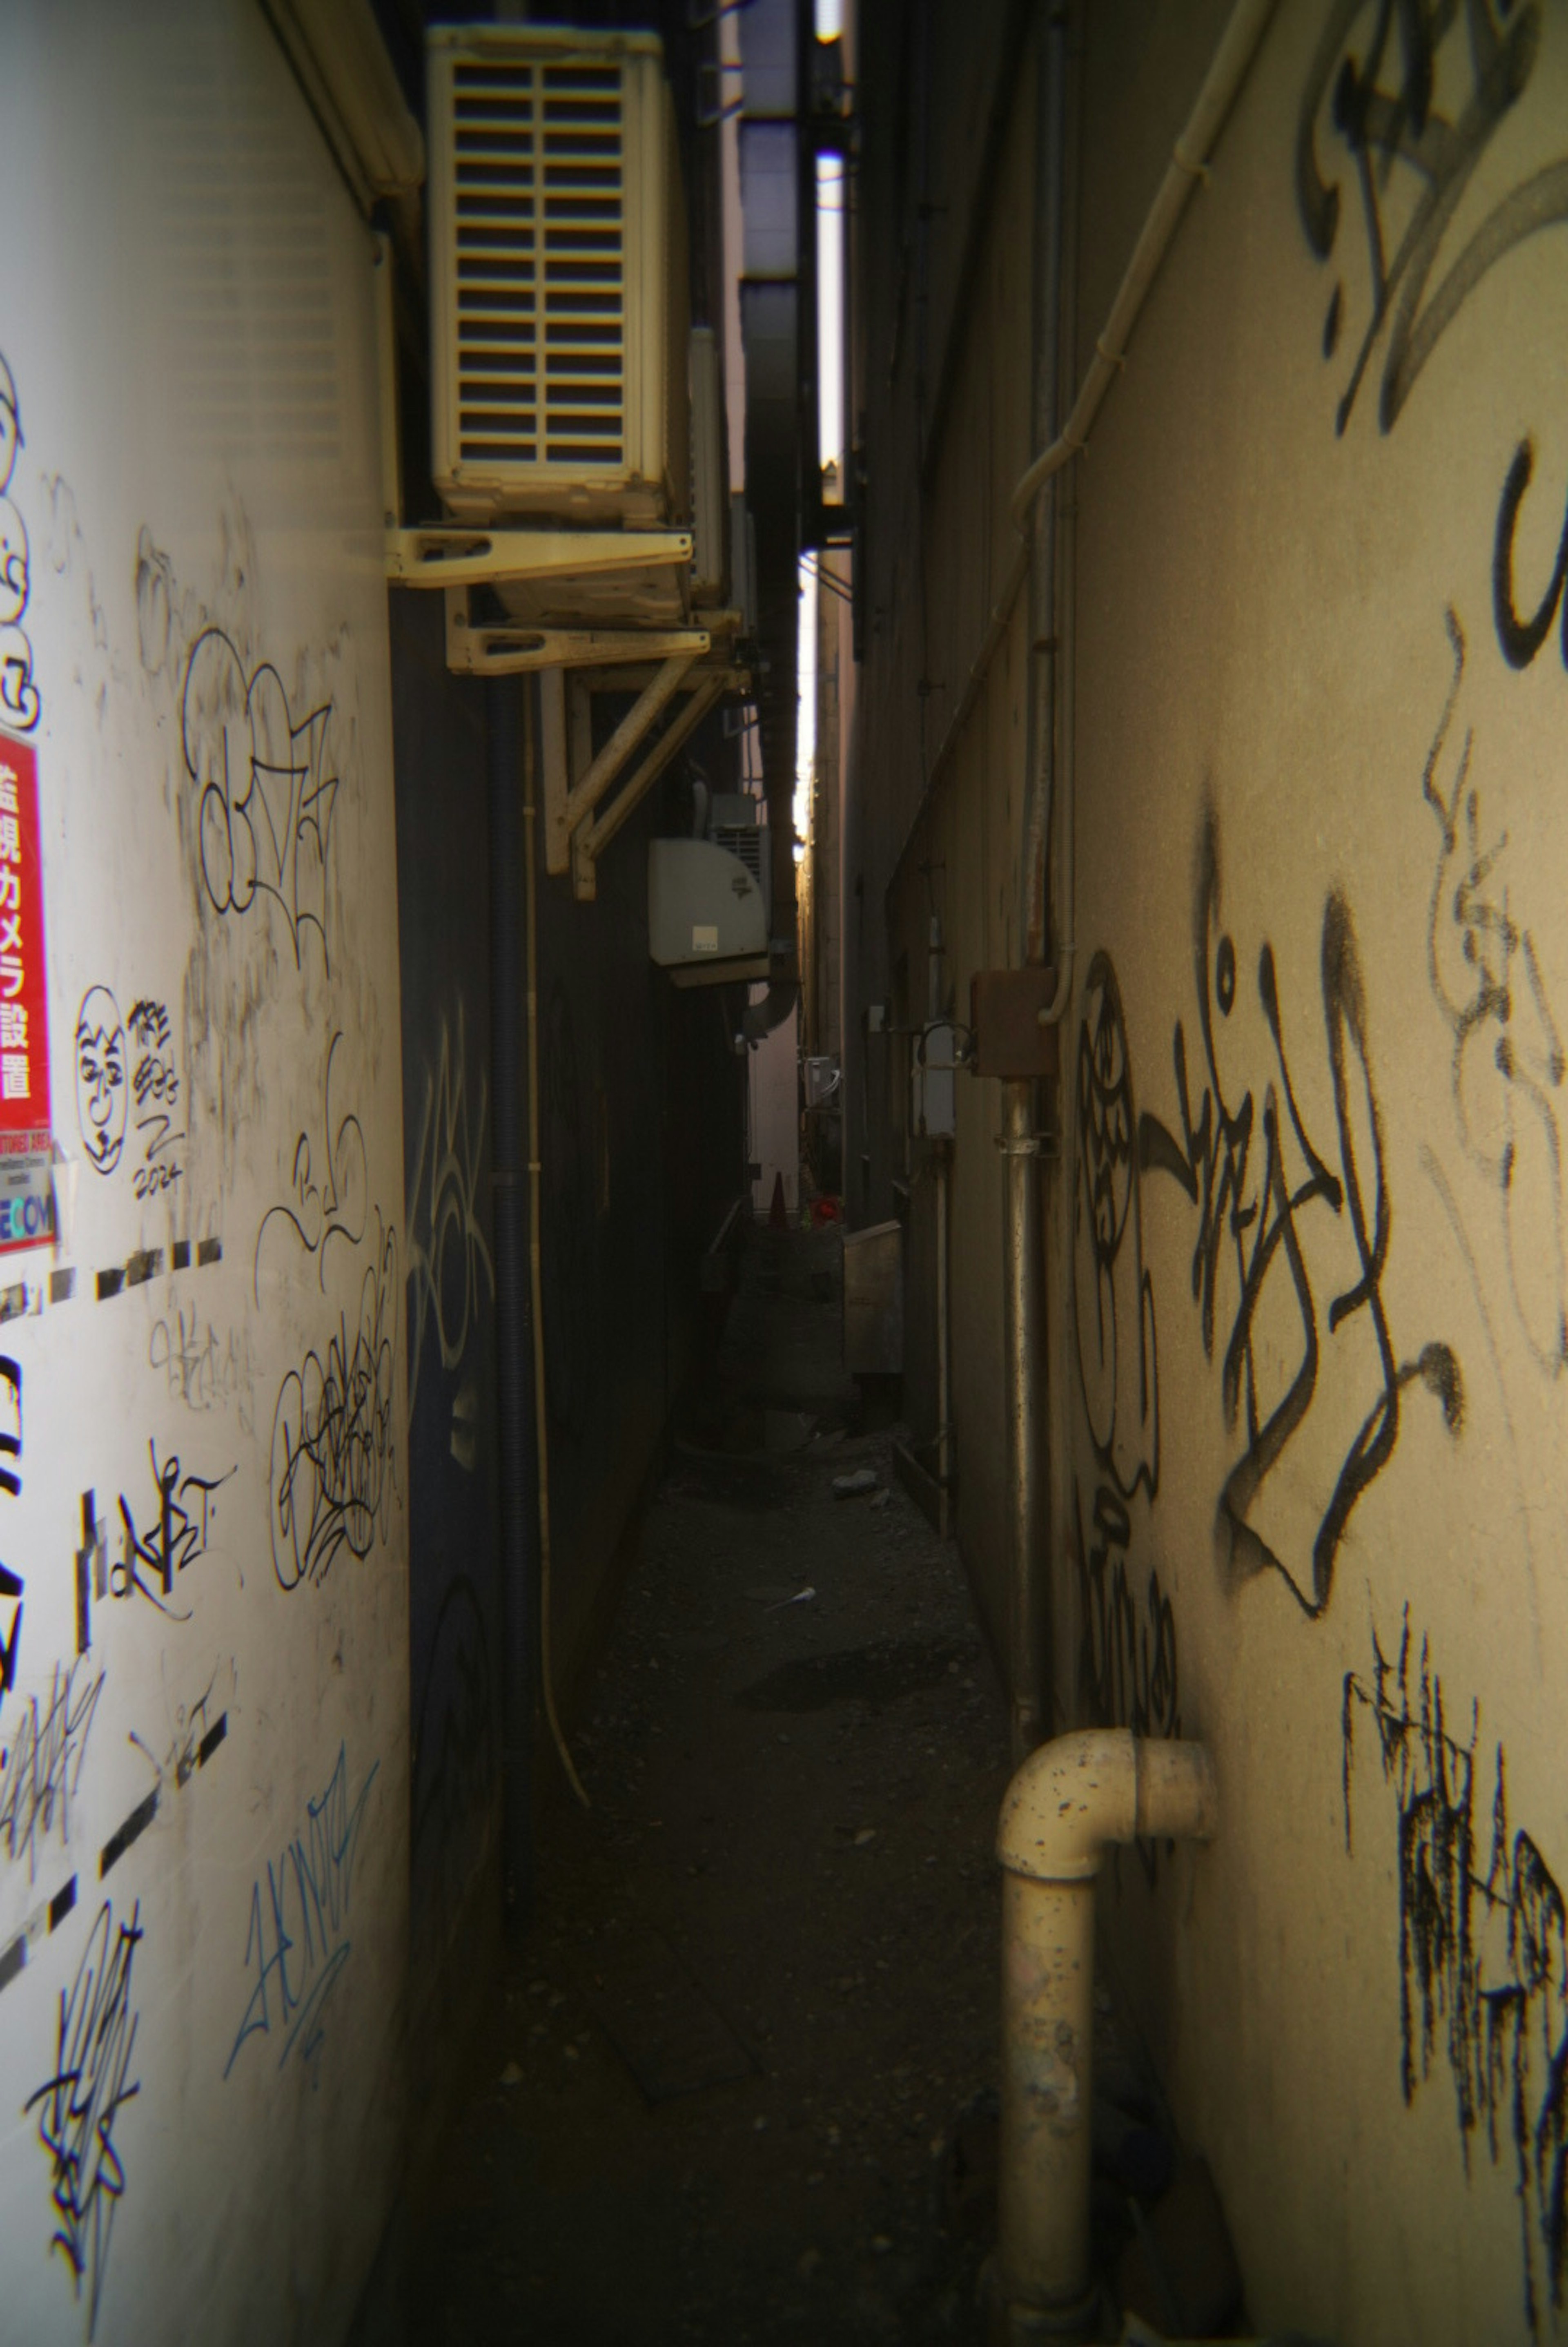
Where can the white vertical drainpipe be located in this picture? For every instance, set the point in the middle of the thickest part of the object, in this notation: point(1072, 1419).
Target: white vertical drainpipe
point(1065, 1803)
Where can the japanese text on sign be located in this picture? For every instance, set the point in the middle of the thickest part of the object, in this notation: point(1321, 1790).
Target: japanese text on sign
point(24, 994)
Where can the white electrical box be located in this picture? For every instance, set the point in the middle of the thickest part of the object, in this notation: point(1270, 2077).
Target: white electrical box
point(933, 1082)
point(707, 912)
point(559, 298)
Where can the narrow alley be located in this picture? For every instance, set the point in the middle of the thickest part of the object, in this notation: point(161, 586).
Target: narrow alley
point(783, 1172)
point(741, 2086)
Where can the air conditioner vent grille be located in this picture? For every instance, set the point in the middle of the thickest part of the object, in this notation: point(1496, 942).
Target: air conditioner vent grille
point(743, 842)
point(539, 154)
point(559, 300)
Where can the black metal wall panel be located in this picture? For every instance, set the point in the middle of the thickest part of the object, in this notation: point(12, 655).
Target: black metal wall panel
point(443, 894)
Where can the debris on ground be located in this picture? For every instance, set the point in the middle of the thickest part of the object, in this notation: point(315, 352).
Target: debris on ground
point(758, 1960)
point(851, 1486)
point(758, 2032)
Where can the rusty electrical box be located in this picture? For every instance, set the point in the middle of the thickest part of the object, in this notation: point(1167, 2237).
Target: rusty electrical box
point(1004, 1007)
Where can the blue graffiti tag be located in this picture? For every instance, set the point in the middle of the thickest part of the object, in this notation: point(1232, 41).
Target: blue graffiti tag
point(298, 1940)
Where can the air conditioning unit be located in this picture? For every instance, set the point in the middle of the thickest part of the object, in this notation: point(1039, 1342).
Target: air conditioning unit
point(559, 301)
point(708, 910)
point(732, 824)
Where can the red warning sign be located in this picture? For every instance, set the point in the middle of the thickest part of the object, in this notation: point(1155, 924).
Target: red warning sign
point(24, 1125)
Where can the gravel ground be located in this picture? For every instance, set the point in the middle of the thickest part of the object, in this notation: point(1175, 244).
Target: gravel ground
point(789, 1852)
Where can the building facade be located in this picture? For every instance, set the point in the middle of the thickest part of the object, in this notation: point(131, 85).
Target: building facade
point(1304, 1421)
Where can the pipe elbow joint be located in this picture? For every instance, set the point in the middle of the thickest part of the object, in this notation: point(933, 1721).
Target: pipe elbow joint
point(1074, 1795)
point(759, 1020)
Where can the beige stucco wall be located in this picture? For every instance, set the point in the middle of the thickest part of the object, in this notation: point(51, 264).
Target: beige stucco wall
point(960, 855)
point(1292, 790)
point(1270, 617)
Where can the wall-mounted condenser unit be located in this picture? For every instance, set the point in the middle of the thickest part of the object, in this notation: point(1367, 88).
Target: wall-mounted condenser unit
point(559, 299)
point(708, 907)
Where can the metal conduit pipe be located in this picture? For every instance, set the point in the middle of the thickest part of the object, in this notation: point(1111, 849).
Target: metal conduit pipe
point(1068, 1801)
point(1188, 163)
point(1050, 230)
point(1030, 1662)
point(1030, 1669)
point(943, 1344)
point(537, 1280)
point(1047, 544)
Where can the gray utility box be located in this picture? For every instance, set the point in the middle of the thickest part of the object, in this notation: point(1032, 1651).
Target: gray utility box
point(822, 1080)
point(874, 1301)
point(706, 910)
point(933, 1091)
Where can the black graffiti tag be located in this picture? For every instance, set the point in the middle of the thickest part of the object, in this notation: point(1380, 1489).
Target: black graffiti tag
point(1127, 1650)
point(267, 788)
point(1127, 1660)
point(329, 1188)
point(1411, 165)
point(19, 703)
point(175, 1537)
point(42, 1760)
point(1259, 1186)
point(1113, 1300)
point(79, 2103)
point(332, 1460)
point(1521, 638)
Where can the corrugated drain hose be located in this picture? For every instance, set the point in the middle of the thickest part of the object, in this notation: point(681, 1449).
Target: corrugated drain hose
point(536, 1274)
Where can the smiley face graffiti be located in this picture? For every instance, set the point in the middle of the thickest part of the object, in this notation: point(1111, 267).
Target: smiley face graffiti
point(101, 1078)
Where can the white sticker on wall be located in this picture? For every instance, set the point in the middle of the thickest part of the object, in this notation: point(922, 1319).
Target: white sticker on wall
point(704, 937)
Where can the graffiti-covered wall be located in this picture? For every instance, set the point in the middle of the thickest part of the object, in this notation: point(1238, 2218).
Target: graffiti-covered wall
point(1314, 1210)
point(203, 1690)
point(1307, 1269)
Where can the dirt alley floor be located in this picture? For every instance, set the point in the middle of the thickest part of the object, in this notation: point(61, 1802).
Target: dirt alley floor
point(788, 1858)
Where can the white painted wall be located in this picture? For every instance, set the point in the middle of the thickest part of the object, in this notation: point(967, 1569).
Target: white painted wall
point(186, 313)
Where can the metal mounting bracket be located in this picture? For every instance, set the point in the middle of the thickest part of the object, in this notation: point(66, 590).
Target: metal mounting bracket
point(609, 609)
point(581, 818)
point(655, 662)
point(565, 810)
point(454, 557)
point(510, 648)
